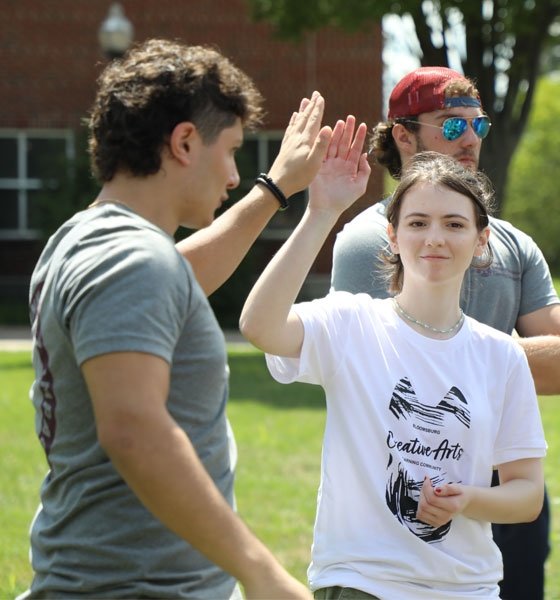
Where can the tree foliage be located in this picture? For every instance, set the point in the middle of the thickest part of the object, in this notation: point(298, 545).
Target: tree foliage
point(532, 190)
point(500, 44)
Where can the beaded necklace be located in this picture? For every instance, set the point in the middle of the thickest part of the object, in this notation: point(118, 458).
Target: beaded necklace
point(410, 318)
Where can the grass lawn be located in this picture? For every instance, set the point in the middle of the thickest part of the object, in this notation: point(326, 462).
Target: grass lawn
point(278, 430)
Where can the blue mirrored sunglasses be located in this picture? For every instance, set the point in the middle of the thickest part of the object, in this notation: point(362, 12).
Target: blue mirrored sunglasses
point(454, 127)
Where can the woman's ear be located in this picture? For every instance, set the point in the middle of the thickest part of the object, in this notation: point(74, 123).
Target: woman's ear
point(183, 139)
point(482, 242)
point(392, 235)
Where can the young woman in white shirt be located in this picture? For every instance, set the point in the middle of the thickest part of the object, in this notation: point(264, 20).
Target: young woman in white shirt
point(422, 400)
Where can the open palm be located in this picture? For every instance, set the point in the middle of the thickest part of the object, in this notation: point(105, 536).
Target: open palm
point(344, 173)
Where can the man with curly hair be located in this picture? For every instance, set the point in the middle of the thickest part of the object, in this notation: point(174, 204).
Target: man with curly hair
point(130, 363)
point(438, 109)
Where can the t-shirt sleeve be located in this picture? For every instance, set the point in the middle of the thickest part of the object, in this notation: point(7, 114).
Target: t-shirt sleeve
point(520, 433)
point(537, 289)
point(325, 324)
point(133, 300)
point(357, 264)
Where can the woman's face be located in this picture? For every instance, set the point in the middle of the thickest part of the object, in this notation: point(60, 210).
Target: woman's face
point(437, 235)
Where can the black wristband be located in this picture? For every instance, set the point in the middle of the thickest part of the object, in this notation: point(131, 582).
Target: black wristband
point(265, 180)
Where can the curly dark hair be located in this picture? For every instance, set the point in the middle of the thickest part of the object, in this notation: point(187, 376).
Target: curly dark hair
point(155, 86)
point(382, 145)
point(439, 169)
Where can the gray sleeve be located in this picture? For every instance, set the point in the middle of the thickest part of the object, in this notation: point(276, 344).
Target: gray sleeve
point(356, 256)
point(131, 299)
point(537, 287)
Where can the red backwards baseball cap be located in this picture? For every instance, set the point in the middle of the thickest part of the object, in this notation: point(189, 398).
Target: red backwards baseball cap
point(423, 90)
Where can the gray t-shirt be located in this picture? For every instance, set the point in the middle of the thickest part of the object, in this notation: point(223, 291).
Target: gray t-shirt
point(110, 281)
point(517, 283)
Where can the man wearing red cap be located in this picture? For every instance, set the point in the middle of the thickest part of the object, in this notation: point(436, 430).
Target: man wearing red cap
point(438, 109)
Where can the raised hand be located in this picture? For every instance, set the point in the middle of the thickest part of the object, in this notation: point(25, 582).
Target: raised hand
point(344, 174)
point(303, 147)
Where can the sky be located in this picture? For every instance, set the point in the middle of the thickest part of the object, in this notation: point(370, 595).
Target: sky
point(401, 48)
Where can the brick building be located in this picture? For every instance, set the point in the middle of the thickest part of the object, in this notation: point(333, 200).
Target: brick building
point(50, 57)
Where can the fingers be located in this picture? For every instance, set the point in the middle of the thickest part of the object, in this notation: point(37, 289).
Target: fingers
point(437, 506)
point(347, 146)
point(431, 494)
point(298, 115)
point(430, 514)
point(358, 143)
point(427, 489)
point(310, 112)
point(321, 145)
point(347, 135)
point(342, 139)
point(447, 490)
point(312, 115)
point(305, 102)
point(335, 140)
point(363, 165)
point(307, 120)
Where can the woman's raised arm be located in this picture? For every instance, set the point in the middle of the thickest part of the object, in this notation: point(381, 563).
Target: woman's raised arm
point(267, 320)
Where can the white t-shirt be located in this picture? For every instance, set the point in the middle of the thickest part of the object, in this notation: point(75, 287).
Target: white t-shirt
point(402, 406)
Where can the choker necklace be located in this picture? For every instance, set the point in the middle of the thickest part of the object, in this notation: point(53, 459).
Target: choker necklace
point(410, 318)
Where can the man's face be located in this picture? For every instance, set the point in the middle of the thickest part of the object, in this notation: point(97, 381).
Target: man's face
point(465, 149)
point(213, 173)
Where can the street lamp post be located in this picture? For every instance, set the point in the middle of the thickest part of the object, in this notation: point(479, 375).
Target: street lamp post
point(116, 32)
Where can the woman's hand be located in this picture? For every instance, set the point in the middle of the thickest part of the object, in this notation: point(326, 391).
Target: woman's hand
point(437, 506)
point(518, 498)
point(344, 174)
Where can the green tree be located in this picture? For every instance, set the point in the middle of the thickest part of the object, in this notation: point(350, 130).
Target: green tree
point(504, 42)
point(531, 192)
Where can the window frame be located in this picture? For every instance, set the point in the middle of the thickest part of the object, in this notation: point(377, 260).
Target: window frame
point(273, 231)
point(22, 183)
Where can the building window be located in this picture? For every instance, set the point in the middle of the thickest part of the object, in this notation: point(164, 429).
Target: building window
point(256, 156)
point(31, 161)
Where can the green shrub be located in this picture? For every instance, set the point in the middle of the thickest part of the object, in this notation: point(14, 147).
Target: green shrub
point(532, 201)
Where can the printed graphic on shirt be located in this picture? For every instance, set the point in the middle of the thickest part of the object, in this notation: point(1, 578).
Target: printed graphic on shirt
point(428, 422)
point(45, 382)
point(404, 404)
